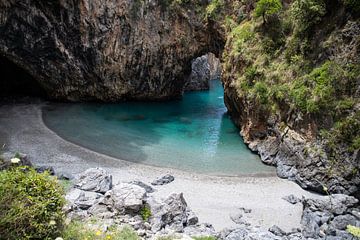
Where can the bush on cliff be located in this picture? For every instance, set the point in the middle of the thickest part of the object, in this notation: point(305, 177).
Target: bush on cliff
point(30, 204)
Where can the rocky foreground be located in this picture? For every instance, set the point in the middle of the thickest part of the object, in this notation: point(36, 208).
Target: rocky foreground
point(94, 195)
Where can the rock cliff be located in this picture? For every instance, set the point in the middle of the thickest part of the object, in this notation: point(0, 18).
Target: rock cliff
point(106, 50)
point(292, 86)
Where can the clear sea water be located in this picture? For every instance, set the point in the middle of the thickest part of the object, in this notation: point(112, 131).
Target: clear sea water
point(193, 134)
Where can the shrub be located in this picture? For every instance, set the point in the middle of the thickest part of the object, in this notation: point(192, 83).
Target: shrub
point(30, 204)
point(265, 8)
point(306, 13)
point(355, 231)
point(213, 9)
point(145, 213)
point(79, 230)
point(353, 5)
point(261, 92)
point(205, 238)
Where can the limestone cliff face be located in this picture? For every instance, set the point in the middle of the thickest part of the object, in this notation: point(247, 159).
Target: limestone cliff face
point(262, 99)
point(105, 50)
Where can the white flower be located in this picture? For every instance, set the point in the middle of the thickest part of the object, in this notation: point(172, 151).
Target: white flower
point(52, 222)
point(59, 238)
point(15, 160)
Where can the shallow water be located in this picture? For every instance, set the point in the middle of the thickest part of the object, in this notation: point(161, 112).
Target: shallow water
point(192, 134)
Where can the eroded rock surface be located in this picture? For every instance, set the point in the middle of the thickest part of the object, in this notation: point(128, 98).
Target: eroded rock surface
point(110, 51)
point(326, 217)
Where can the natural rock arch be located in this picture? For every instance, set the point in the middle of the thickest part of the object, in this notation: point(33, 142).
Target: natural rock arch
point(107, 51)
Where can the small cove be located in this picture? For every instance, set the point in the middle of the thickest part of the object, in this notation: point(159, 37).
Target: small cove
point(193, 134)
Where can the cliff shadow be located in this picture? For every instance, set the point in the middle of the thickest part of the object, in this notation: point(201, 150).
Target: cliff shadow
point(17, 82)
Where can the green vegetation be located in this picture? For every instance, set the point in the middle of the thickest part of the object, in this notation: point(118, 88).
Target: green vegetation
point(77, 230)
point(195, 238)
point(66, 184)
point(279, 68)
point(355, 231)
point(265, 8)
point(353, 5)
point(205, 238)
point(214, 8)
point(145, 213)
point(30, 204)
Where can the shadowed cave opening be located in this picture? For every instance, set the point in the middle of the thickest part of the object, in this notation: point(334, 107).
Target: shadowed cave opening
point(17, 82)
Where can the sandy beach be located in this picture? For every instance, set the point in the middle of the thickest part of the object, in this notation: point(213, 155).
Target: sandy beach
point(212, 198)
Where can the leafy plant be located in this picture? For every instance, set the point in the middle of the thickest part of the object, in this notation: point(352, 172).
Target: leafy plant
point(265, 8)
point(81, 230)
point(306, 13)
point(213, 9)
point(145, 213)
point(205, 238)
point(355, 231)
point(30, 204)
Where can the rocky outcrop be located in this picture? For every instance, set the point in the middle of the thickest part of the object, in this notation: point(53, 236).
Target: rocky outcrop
point(110, 51)
point(274, 126)
point(326, 217)
point(126, 203)
point(329, 217)
point(203, 69)
point(200, 75)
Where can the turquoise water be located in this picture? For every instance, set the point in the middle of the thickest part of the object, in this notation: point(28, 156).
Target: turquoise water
point(192, 134)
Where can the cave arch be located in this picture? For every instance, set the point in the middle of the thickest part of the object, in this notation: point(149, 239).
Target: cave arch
point(16, 81)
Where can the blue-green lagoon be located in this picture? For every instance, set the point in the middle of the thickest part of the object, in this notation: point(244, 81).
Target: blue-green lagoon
point(193, 134)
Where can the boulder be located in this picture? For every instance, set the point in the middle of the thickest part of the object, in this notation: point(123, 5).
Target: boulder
point(336, 203)
point(341, 222)
point(147, 188)
point(127, 197)
point(200, 230)
point(88, 199)
point(163, 180)
point(292, 199)
point(277, 231)
point(95, 180)
point(171, 213)
point(43, 169)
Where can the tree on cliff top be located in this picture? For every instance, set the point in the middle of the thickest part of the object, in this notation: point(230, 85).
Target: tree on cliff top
point(267, 7)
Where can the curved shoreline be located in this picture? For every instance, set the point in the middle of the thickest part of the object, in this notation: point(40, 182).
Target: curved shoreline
point(180, 171)
point(213, 198)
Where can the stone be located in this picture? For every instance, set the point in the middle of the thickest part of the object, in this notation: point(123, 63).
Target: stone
point(310, 222)
point(200, 230)
point(102, 211)
point(237, 218)
point(170, 214)
point(237, 234)
point(72, 195)
point(64, 176)
point(341, 222)
point(336, 203)
point(277, 231)
point(163, 180)
point(88, 199)
point(94, 179)
point(147, 188)
point(48, 169)
point(128, 197)
point(292, 199)
point(200, 75)
point(245, 210)
point(356, 213)
point(192, 219)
